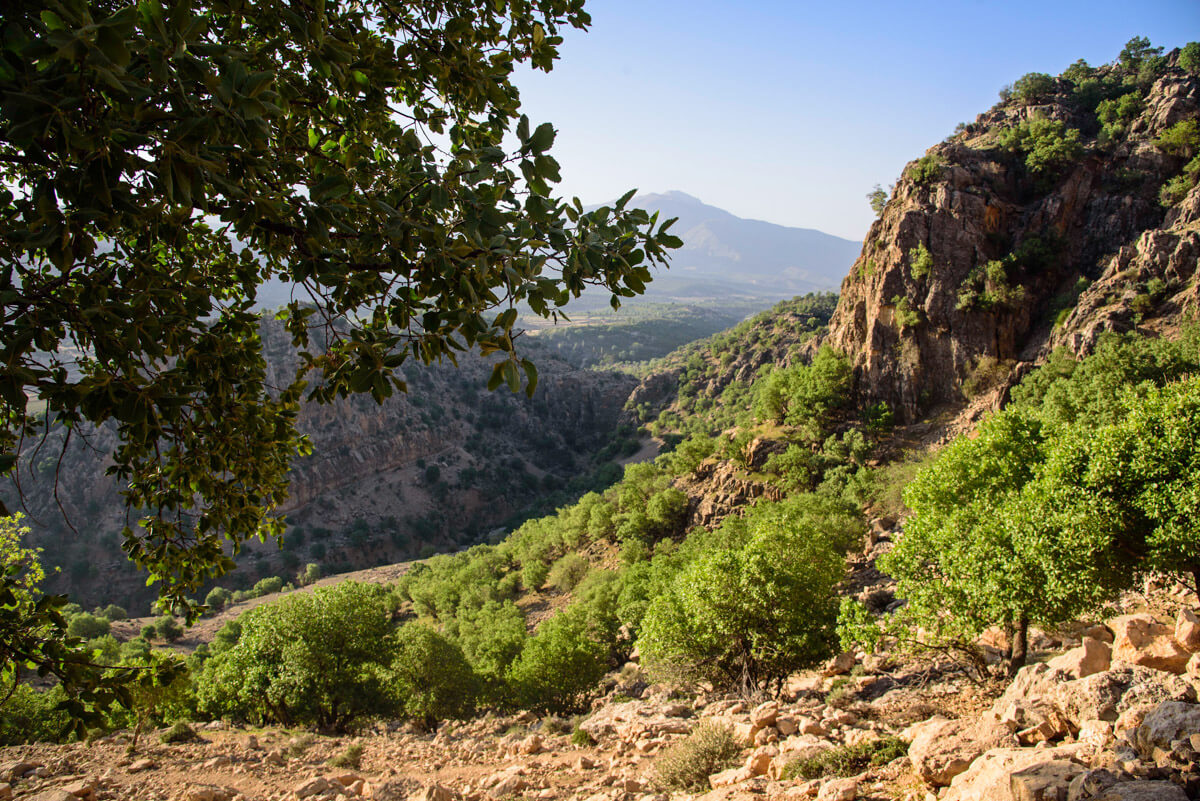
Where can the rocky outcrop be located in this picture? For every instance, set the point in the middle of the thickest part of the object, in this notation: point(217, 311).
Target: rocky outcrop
point(921, 315)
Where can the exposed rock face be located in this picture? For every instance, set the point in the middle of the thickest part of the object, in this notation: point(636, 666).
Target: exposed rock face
point(913, 338)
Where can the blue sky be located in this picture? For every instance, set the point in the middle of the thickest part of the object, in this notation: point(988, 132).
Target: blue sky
point(792, 111)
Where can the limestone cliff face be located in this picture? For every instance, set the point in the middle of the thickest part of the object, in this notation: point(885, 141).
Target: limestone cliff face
point(918, 326)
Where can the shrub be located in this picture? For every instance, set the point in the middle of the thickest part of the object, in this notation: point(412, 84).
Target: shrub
point(534, 574)
point(168, 629)
point(581, 738)
point(686, 765)
point(87, 626)
point(568, 571)
point(322, 658)
point(1048, 145)
point(113, 613)
point(1032, 87)
point(431, 677)
point(746, 613)
point(1189, 58)
point(1115, 114)
point(267, 586)
point(878, 199)
point(920, 262)
point(846, 760)
point(180, 732)
point(905, 315)
point(350, 759)
point(1181, 139)
point(926, 169)
point(34, 716)
point(217, 599)
point(559, 668)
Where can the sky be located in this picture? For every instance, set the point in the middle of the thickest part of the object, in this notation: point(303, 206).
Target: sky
point(791, 112)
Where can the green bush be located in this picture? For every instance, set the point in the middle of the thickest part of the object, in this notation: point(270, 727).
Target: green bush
point(686, 765)
point(1047, 144)
point(1032, 88)
point(568, 571)
point(534, 574)
point(87, 626)
point(113, 613)
point(168, 628)
point(1189, 58)
point(267, 586)
point(755, 605)
point(920, 262)
point(217, 599)
point(431, 677)
point(846, 760)
point(33, 716)
point(1116, 114)
point(926, 169)
point(319, 658)
point(559, 668)
point(349, 759)
point(179, 732)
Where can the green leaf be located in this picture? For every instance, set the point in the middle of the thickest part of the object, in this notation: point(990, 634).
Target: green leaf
point(542, 139)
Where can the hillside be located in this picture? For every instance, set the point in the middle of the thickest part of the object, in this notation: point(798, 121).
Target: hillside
point(804, 595)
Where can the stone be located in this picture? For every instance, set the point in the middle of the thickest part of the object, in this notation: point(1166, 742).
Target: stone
point(1142, 640)
point(51, 795)
point(83, 788)
point(434, 792)
point(11, 771)
point(839, 665)
point(941, 749)
point(810, 726)
point(759, 761)
point(142, 765)
point(677, 711)
point(219, 761)
point(6, 792)
point(729, 777)
point(1162, 725)
point(1141, 791)
point(1187, 629)
point(1046, 781)
point(990, 777)
point(1092, 656)
point(764, 714)
point(206, 792)
point(275, 757)
point(316, 786)
point(1193, 666)
point(584, 763)
point(786, 725)
point(531, 745)
point(838, 790)
point(512, 784)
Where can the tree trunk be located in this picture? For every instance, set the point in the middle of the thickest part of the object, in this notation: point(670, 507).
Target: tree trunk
point(1020, 646)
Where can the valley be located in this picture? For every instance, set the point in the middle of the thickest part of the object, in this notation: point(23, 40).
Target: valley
point(932, 537)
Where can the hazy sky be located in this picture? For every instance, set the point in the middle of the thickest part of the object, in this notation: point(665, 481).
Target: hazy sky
point(792, 111)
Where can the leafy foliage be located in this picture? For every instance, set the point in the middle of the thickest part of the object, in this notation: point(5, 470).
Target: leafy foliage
point(926, 169)
point(311, 658)
point(135, 243)
point(1032, 87)
point(1047, 144)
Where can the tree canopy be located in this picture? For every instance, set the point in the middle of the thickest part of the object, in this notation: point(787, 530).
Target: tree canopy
point(162, 161)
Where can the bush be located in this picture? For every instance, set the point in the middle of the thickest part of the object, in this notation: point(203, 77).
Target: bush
point(319, 658)
point(559, 668)
point(1115, 114)
point(180, 732)
point(1189, 58)
point(113, 613)
point(87, 627)
point(568, 571)
point(217, 599)
point(1032, 87)
point(432, 678)
point(350, 759)
point(33, 716)
point(920, 262)
point(926, 169)
point(534, 574)
point(846, 760)
point(267, 586)
point(168, 629)
point(1048, 145)
point(686, 765)
point(755, 606)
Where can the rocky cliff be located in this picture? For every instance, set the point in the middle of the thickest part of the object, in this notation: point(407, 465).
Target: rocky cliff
point(987, 239)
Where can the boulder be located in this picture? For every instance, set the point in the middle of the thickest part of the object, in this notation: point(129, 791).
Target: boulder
point(510, 785)
point(51, 795)
point(5, 791)
point(1042, 770)
point(1193, 666)
point(838, 665)
point(764, 714)
point(1187, 630)
point(1045, 781)
point(1142, 640)
point(531, 745)
point(838, 790)
point(142, 765)
point(759, 761)
point(1129, 791)
point(206, 792)
point(83, 788)
point(727, 778)
point(315, 786)
point(1163, 725)
point(941, 749)
point(11, 771)
point(1092, 656)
